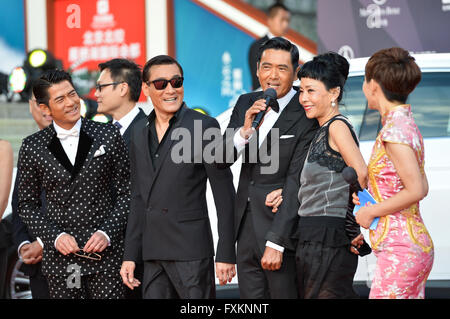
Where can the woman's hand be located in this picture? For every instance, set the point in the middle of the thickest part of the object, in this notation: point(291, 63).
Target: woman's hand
point(356, 243)
point(365, 215)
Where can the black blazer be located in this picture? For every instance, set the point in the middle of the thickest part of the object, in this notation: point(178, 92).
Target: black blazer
point(79, 197)
point(169, 215)
point(127, 134)
point(253, 184)
point(252, 59)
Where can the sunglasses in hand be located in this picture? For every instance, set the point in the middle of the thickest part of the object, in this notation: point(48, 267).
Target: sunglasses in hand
point(91, 256)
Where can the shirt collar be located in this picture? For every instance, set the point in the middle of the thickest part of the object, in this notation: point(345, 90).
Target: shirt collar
point(151, 117)
point(284, 101)
point(59, 129)
point(126, 120)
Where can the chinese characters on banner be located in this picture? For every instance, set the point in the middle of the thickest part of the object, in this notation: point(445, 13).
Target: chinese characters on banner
point(105, 29)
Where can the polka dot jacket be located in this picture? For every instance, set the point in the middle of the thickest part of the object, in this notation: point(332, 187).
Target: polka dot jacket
point(91, 195)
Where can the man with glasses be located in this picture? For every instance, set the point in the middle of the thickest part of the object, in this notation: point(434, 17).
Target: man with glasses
point(83, 168)
point(118, 90)
point(168, 220)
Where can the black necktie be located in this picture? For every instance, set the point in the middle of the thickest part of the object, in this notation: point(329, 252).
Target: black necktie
point(119, 126)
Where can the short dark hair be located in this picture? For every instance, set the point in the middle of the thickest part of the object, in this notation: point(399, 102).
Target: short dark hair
point(273, 9)
point(123, 70)
point(45, 81)
point(158, 60)
point(279, 43)
point(329, 68)
point(396, 72)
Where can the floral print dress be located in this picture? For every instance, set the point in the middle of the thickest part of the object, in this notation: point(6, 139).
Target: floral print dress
point(401, 242)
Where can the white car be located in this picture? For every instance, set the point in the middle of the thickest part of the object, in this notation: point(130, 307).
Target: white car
point(430, 103)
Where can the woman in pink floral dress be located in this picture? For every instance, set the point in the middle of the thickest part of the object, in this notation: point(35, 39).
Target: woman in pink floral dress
point(397, 180)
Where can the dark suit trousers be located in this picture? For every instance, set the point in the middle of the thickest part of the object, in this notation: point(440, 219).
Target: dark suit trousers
point(255, 282)
point(179, 279)
point(98, 286)
point(39, 285)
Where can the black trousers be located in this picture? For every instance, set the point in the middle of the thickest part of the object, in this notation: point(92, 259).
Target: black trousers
point(255, 282)
point(179, 279)
point(39, 285)
point(97, 286)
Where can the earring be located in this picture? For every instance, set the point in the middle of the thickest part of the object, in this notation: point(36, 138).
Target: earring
point(333, 104)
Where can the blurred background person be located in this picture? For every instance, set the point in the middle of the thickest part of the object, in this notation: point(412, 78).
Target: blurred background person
point(278, 20)
point(29, 247)
point(397, 180)
point(117, 92)
point(6, 170)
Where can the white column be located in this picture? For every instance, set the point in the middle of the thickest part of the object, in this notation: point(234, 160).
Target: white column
point(36, 11)
point(156, 27)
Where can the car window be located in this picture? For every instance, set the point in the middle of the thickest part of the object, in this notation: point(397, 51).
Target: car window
point(354, 102)
point(430, 104)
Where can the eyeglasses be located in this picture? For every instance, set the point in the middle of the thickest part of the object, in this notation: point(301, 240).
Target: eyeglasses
point(99, 87)
point(92, 256)
point(162, 84)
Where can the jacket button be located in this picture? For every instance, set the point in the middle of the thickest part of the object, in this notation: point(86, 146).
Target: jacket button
point(252, 182)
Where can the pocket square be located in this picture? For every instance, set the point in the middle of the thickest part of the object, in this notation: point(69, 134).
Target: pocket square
point(286, 136)
point(100, 151)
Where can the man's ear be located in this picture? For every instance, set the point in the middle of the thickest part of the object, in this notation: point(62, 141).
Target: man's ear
point(124, 89)
point(45, 109)
point(296, 73)
point(146, 89)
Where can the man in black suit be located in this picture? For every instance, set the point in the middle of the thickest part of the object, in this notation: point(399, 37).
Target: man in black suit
point(118, 90)
point(275, 165)
point(81, 165)
point(278, 19)
point(29, 248)
point(169, 220)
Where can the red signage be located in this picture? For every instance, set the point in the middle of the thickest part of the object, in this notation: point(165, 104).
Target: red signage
point(84, 33)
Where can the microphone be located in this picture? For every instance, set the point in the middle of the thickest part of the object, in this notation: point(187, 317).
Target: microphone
point(269, 95)
point(350, 176)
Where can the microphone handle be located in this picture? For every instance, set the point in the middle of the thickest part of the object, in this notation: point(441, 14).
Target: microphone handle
point(258, 118)
point(357, 186)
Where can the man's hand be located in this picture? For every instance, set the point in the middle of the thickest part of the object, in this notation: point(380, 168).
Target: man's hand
point(31, 253)
point(225, 272)
point(66, 244)
point(271, 259)
point(127, 274)
point(96, 244)
point(274, 199)
point(258, 106)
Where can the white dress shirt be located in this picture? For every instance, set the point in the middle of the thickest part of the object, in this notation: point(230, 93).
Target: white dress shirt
point(269, 120)
point(70, 146)
point(126, 120)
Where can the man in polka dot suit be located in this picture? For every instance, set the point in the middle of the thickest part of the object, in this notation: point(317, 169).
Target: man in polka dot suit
point(83, 167)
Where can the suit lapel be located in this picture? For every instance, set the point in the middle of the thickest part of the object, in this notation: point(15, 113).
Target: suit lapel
point(58, 152)
point(127, 134)
point(288, 117)
point(167, 146)
point(142, 140)
point(84, 145)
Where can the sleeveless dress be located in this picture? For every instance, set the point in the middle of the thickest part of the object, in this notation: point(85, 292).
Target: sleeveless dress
point(325, 265)
point(401, 242)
